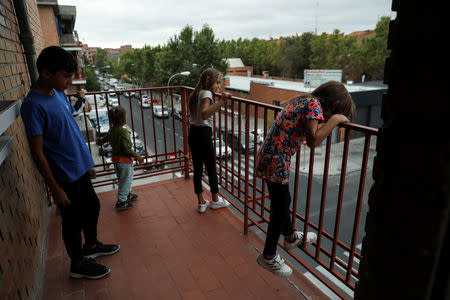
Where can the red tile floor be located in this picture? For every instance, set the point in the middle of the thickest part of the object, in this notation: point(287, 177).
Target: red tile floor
point(169, 251)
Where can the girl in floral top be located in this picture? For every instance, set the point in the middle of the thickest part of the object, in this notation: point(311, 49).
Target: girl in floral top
point(298, 121)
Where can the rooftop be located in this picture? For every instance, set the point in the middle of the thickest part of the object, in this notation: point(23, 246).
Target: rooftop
point(242, 83)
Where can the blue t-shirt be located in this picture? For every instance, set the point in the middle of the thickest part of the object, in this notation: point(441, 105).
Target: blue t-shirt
point(63, 143)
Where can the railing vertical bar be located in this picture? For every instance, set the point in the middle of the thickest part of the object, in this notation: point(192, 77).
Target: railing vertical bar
point(184, 117)
point(295, 195)
point(239, 150)
point(132, 122)
point(358, 207)
point(323, 196)
point(87, 130)
point(308, 194)
point(220, 144)
point(172, 115)
point(161, 93)
point(263, 187)
point(255, 140)
point(154, 127)
point(225, 129)
point(340, 198)
point(143, 127)
point(232, 145)
point(246, 196)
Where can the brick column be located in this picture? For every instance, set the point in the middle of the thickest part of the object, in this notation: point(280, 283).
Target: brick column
point(405, 251)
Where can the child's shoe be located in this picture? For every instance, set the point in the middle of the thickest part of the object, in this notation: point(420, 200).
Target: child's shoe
point(311, 237)
point(123, 205)
point(276, 265)
point(219, 203)
point(202, 207)
point(100, 250)
point(89, 269)
point(132, 197)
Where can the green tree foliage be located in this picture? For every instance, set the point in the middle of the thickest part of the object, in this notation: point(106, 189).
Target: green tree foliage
point(92, 83)
point(195, 51)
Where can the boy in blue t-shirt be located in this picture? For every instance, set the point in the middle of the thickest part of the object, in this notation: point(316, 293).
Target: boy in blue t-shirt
point(63, 159)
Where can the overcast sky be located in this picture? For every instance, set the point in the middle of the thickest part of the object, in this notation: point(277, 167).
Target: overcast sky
point(112, 23)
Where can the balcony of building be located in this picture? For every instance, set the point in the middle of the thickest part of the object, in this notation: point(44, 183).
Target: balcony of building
point(170, 251)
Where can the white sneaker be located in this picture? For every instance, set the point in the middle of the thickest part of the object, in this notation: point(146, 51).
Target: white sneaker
point(202, 207)
point(311, 237)
point(220, 203)
point(276, 265)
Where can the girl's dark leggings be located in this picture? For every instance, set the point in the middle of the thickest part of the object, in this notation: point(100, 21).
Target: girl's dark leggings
point(280, 218)
point(81, 215)
point(203, 152)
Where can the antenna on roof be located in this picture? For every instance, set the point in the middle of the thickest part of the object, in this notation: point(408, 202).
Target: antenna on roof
point(316, 13)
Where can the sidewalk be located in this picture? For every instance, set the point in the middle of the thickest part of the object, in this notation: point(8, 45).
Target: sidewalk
point(354, 159)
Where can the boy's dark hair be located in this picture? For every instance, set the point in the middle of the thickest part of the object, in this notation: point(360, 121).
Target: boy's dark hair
point(117, 116)
point(55, 59)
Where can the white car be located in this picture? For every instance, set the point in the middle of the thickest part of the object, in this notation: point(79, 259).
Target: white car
point(113, 102)
point(259, 135)
point(222, 149)
point(160, 112)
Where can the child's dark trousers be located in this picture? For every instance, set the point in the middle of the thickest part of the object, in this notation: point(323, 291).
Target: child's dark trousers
point(280, 218)
point(81, 215)
point(203, 152)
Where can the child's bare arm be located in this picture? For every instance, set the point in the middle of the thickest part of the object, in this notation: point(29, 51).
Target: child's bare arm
point(208, 110)
point(314, 135)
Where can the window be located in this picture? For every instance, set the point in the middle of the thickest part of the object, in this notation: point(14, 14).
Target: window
point(276, 102)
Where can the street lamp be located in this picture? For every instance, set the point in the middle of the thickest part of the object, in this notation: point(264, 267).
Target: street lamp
point(185, 73)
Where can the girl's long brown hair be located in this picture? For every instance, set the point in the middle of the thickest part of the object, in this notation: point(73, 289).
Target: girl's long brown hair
point(334, 99)
point(207, 79)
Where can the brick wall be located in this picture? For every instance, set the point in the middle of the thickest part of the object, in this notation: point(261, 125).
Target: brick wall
point(47, 18)
point(406, 247)
point(23, 201)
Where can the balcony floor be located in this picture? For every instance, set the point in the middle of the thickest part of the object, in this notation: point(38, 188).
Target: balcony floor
point(169, 251)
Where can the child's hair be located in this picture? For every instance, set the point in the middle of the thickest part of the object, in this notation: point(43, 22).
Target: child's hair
point(117, 116)
point(334, 99)
point(55, 59)
point(207, 79)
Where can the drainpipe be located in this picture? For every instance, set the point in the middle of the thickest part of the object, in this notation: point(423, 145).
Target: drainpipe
point(26, 38)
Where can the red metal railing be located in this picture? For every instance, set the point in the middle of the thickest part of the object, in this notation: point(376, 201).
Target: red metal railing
point(237, 177)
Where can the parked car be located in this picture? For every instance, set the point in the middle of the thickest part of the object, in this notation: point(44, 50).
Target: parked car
point(148, 103)
point(174, 113)
point(259, 135)
point(160, 112)
point(222, 149)
point(239, 144)
point(106, 149)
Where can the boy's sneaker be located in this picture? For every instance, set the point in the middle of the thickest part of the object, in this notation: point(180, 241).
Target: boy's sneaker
point(89, 269)
point(123, 205)
point(219, 203)
point(132, 197)
point(276, 265)
point(100, 250)
point(311, 237)
point(202, 207)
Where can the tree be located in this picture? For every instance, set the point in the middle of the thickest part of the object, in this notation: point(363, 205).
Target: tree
point(101, 58)
point(92, 83)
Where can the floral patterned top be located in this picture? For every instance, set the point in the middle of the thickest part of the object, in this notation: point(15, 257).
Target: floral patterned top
point(284, 139)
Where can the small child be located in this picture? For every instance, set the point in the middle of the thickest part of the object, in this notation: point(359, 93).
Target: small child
point(122, 156)
point(298, 121)
point(202, 108)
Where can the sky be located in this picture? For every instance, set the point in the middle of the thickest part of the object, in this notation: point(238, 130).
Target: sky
point(112, 23)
